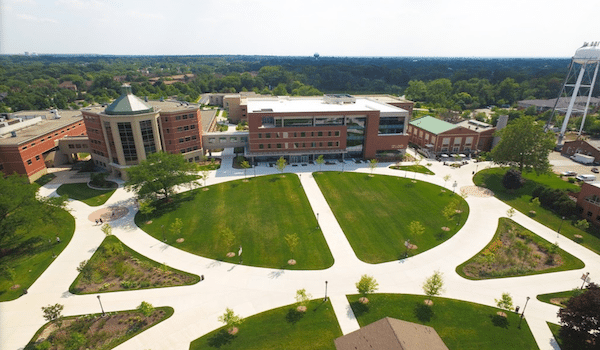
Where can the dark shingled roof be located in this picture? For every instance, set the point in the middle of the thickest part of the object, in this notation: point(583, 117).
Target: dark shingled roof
point(391, 334)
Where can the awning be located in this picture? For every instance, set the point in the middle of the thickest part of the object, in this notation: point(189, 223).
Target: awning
point(444, 156)
point(462, 155)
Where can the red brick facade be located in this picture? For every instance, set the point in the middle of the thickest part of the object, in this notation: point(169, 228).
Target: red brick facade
point(580, 146)
point(588, 202)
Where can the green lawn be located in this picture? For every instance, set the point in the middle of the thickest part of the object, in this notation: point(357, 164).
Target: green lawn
point(45, 179)
point(27, 256)
point(461, 325)
point(81, 192)
point(260, 212)
point(566, 295)
point(520, 199)
point(569, 262)
point(414, 168)
point(375, 213)
point(281, 328)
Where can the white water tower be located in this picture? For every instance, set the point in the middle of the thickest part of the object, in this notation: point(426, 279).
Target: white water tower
point(578, 86)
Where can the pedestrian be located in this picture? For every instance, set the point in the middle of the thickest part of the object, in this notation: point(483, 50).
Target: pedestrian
point(96, 221)
point(57, 239)
point(101, 220)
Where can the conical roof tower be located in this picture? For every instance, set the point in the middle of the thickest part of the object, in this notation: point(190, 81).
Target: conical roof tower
point(128, 104)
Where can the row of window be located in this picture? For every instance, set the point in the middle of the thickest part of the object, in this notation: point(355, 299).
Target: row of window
point(187, 139)
point(183, 128)
point(29, 162)
point(300, 145)
point(286, 135)
point(223, 139)
point(78, 145)
point(49, 138)
point(100, 153)
point(189, 149)
point(183, 116)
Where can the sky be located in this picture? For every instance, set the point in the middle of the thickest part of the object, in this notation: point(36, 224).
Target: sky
point(426, 28)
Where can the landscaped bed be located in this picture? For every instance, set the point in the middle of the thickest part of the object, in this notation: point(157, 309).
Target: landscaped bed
point(82, 192)
point(375, 213)
point(115, 267)
point(413, 168)
point(516, 251)
point(258, 212)
point(281, 328)
point(99, 332)
point(461, 325)
point(521, 200)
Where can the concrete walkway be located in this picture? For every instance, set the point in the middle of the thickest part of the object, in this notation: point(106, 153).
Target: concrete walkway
point(251, 290)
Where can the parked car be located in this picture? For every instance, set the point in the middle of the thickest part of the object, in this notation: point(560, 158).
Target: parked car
point(568, 173)
point(595, 170)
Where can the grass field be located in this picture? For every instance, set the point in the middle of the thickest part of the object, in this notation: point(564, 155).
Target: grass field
point(460, 324)
point(522, 258)
point(520, 199)
point(281, 328)
point(414, 168)
point(30, 253)
point(375, 213)
point(259, 212)
point(81, 192)
point(562, 297)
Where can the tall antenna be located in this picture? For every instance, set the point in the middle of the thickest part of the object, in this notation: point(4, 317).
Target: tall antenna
point(578, 86)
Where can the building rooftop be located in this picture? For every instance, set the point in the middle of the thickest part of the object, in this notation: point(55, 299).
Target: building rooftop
point(36, 124)
point(475, 125)
point(285, 104)
point(391, 334)
point(128, 104)
point(433, 125)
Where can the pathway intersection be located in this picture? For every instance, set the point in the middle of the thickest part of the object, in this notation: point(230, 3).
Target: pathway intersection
point(251, 290)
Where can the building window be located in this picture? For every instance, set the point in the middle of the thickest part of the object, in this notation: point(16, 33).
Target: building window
point(71, 146)
point(278, 145)
point(186, 128)
point(261, 146)
point(180, 129)
point(320, 133)
point(268, 135)
point(589, 213)
point(260, 135)
point(28, 161)
point(127, 141)
point(185, 116)
point(193, 126)
point(147, 136)
point(178, 117)
point(166, 119)
point(303, 134)
point(181, 140)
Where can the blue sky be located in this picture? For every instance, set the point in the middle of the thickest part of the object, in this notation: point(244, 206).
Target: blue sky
point(459, 28)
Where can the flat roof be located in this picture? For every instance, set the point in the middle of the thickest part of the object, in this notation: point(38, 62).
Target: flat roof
point(433, 125)
point(286, 104)
point(475, 125)
point(45, 126)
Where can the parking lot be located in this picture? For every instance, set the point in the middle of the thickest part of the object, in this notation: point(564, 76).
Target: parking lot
point(561, 163)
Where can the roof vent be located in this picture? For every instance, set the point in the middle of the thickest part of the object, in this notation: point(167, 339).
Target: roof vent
point(13, 134)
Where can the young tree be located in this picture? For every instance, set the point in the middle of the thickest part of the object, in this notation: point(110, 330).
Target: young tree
point(524, 144)
point(157, 176)
point(505, 303)
point(176, 227)
point(53, 313)
point(582, 224)
point(449, 210)
point(373, 164)
point(510, 212)
point(302, 299)
point(231, 320)
point(416, 228)
point(145, 309)
point(146, 207)
point(85, 270)
point(204, 176)
point(245, 165)
point(434, 285)
point(281, 164)
point(106, 229)
point(320, 160)
point(446, 178)
point(292, 240)
point(579, 318)
point(365, 286)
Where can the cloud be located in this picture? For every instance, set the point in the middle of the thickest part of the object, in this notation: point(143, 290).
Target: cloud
point(145, 15)
point(35, 19)
point(82, 4)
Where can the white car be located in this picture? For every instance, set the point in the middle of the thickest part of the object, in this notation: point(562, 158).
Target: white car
point(568, 173)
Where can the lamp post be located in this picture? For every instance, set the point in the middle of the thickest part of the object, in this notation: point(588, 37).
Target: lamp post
point(584, 278)
point(163, 232)
point(101, 308)
point(325, 299)
point(560, 226)
point(523, 313)
point(317, 221)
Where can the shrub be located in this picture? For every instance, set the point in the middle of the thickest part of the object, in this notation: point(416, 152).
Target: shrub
point(513, 180)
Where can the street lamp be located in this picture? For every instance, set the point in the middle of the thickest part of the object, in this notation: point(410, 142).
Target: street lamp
point(559, 226)
point(317, 221)
point(101, 308)
point(325, 299)
point(523, 313)
point(585, 279)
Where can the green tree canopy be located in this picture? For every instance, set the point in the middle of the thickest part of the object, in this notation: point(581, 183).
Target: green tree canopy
point(524, 144)
point(20, 207)
point(157, 176)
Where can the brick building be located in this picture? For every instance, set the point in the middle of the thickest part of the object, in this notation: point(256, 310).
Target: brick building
point(587, 147)
point(436, 137)
point(588, 202)
point(29, 141)
point(129, 129)
point(336, 126)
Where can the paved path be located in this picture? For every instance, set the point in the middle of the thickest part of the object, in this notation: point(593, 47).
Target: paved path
point(250, 290)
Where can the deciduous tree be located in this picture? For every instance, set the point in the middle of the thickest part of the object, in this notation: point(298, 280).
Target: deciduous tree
point(579, 320)
point(157, 176)
point(434, 285)
point(53, 313)
point(231, 320)
point(366, 285)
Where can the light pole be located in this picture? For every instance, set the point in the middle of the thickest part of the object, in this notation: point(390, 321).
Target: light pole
point(101, 308)
point(584, 278)
point(317, 221)
point(325, 299)
point(560, 226)
point(523, 313)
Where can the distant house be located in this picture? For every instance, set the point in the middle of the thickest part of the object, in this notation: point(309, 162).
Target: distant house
point(392, 334)
point(68, 85)
point(588, 202)
point(587, 147)
point(436, 137)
